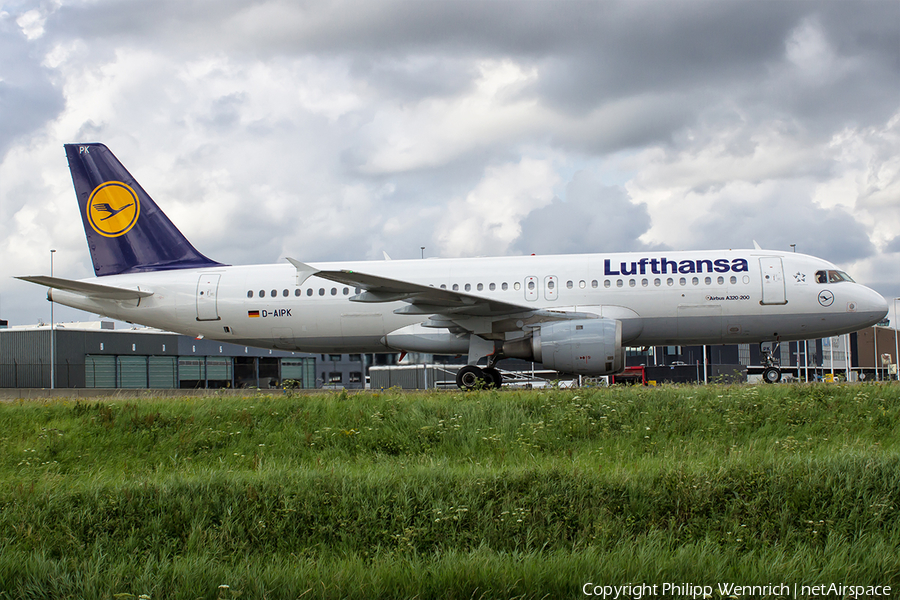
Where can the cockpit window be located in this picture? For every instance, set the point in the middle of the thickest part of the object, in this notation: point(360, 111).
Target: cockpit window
point(843, 276)
point(832, 277)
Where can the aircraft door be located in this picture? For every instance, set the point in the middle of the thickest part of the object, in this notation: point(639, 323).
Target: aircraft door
point(207, 302)
point(550, 287)
point(531, 288)
point(772, 280)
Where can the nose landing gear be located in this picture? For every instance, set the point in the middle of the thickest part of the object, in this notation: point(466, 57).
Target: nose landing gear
point(772, 372)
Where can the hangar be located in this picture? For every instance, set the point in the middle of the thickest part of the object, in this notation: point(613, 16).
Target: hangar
point(96, 355)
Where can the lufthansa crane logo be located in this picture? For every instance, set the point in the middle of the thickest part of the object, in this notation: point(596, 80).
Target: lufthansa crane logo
point(113, 209)
point(826, 298)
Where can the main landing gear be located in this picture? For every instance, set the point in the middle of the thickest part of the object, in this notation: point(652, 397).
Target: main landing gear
point(771, 373)
point(470, 377)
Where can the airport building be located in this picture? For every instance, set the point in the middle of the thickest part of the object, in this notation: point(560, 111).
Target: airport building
point(96, 355)
point(869, 354)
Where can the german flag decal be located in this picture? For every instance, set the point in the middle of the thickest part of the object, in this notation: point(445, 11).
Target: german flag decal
point(252, 313)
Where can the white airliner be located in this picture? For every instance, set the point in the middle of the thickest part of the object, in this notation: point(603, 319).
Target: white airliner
point(573, 313)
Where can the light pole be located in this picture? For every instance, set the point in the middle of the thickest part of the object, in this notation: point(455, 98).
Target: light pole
point(52, 333)
point(875, 343)
point(831, 356)
point(848, 357)
point(896, 347)
point(806, 360)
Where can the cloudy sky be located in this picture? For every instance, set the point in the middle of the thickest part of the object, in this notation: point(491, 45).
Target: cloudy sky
point(338, 129)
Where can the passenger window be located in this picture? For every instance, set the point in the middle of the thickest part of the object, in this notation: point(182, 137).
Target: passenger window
point(468, 286)
point(670, 281)
point(250, 294)
point(657, 282)
point(356, 290)
point(297, 292)
point(517, 286)
point(682, 281)
point(708, 281)
point(346, 291)
point(733, 280)
point(443, 286)
point(262, 293)
point(594, 283)
point(455, 287)
point(504, 286)
point(285, 293)
point(606, 283)
point(631, 282)
point(493, 286)
point(619, 283)
point(644, 282)
point(479, 287)
point(582, 284)
point(720, 280)
point(551, 284)
point(334, 291)
point(530, 285)
point(695, 281)
point(309, 292)
point(274, 293)
point(321, 291)
point(570, 284)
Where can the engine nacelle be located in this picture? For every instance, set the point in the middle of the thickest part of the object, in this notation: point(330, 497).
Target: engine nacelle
point(584, 346)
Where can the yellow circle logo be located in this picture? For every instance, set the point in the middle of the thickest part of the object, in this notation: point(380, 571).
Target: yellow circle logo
point(113, 209)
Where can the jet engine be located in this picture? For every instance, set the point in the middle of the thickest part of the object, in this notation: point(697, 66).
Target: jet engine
point(583, 346)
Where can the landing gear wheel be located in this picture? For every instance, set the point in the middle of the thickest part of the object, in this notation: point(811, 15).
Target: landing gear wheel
point(493, 377)
point(771, 375)
point(469, 377)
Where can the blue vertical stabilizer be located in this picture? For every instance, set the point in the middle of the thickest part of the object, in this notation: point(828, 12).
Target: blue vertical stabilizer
point(126, 231)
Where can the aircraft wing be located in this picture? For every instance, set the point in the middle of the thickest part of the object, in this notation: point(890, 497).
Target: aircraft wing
point(449, 308)
point(91, 290)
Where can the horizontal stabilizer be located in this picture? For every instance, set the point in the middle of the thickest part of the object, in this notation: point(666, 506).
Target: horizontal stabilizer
point(91, 290)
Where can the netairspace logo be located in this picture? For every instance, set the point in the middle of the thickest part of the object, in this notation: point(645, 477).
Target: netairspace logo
point(637, 591)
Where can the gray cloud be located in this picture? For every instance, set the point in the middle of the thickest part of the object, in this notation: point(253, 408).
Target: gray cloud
point(334, 130)
point(783, 218)
point(593, 218)
point(28, 98)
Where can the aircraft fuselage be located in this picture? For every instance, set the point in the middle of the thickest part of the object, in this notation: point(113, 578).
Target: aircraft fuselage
point(670, 298)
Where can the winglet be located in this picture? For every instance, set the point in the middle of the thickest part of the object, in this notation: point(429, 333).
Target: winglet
point(304, 271)
point(386, 257)
point(756, 246)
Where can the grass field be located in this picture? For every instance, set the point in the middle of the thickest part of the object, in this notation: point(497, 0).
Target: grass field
point(498, 494)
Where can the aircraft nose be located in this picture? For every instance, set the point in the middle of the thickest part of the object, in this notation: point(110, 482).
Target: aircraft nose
point(871, 303)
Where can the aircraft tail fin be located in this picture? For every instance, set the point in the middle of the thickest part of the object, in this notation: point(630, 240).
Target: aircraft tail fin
point(126, 231)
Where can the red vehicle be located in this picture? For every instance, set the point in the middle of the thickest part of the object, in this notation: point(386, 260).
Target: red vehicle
point(630, 376)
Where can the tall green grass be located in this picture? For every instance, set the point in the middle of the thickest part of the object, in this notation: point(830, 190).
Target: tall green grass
point(496, 494)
